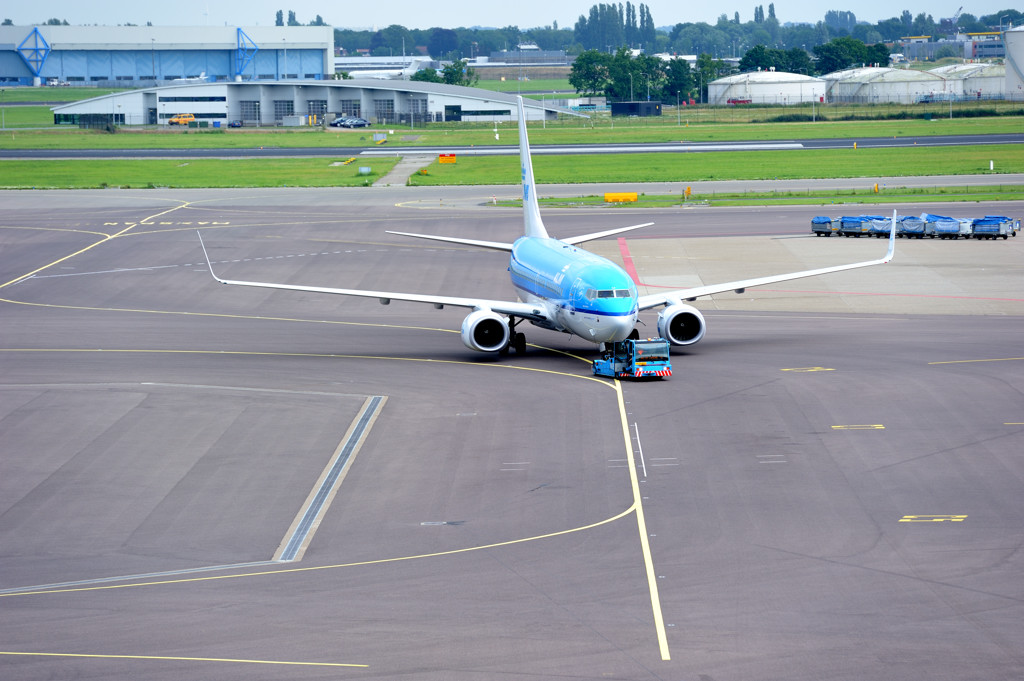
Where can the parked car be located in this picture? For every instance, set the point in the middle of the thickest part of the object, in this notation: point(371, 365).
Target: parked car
point(182, 119)
point(354, 123)
point(235, 124)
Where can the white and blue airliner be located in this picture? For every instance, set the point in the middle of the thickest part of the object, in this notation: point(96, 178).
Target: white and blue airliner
point(564, 288)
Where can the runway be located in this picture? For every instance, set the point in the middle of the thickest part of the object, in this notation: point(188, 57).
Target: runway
point(829, 486)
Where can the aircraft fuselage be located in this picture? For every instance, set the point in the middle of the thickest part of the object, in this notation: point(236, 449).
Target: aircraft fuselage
point(585, 294)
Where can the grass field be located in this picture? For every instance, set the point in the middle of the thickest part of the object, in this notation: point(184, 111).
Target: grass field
point(477, 170)
point(195, 173)
point(738, 165)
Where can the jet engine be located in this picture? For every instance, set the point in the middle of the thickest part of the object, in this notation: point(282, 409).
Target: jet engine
point(485, 331)
point(680, 324)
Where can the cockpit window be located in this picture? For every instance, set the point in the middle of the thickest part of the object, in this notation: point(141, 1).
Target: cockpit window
point(607, 293)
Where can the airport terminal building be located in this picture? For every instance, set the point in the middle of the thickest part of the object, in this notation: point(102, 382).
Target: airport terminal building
point(310, 102)
point(138, 56)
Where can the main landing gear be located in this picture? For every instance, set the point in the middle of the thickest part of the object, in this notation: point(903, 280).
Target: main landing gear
point(516, 339)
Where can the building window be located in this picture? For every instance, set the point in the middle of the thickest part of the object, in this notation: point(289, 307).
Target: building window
point(249, 110)
point(193, 99)
point(282, 108)
point(350, 107)
point(384, 109)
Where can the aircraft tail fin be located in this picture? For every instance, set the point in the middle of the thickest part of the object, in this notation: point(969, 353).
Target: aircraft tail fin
point(532, 223)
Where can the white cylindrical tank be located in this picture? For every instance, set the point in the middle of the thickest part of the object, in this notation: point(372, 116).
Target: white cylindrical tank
point(880, 85)
point(766, 87)
point(1013, 39)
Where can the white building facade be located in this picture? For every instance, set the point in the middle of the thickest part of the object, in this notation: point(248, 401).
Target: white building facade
point(133, 56)
point(1014, 39)
point(270, 103)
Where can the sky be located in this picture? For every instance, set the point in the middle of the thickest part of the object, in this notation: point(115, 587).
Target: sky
point(448, 14)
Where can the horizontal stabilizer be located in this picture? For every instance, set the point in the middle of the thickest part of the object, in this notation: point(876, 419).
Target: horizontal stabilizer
point(493, 245)
point(598, 235)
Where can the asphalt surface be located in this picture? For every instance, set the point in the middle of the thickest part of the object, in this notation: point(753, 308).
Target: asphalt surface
point(829, 486)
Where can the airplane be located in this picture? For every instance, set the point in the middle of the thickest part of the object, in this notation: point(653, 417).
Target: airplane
point(201, 78)
point(390, 74)
point(564, 288)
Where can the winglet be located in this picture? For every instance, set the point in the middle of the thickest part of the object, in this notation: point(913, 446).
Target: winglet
point(207, 255)
point(532, 223)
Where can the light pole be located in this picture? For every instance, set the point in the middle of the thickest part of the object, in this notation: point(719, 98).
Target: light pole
point(284, 71)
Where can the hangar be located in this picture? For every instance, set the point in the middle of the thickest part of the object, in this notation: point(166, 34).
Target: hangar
point(130, 56)
point(312, 101)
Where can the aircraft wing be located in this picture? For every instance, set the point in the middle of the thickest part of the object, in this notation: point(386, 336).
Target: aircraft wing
point(517, 309)
point(670, 297)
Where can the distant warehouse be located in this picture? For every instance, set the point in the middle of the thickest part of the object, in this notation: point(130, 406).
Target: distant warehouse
point(134, 56)
point(263, 103)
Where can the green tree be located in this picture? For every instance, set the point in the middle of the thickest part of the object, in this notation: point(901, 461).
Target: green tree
point(443, 41)
point(391, 40)
point(708, 69)
point(279, 19)
point(602, 29)
point(878, 54)
point(292, 21)
point(427, 76)
point(1002, 19)
point(678, 79)
point(924, 24)
point(840, 53)
point(798, 61)
point(589, 73)
point(459, 73)
point(761, 58)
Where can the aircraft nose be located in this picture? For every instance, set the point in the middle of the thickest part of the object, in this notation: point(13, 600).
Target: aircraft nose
point(619, 328)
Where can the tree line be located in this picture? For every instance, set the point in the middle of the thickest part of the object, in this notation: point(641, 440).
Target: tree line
point(625, 77)
point(607, 27)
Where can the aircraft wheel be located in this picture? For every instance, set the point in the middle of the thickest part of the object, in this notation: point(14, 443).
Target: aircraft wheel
point(634, 334)
point(519, 343)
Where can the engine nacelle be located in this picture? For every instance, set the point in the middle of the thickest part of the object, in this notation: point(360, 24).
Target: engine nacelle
point(681, 324)
point(485, 331)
